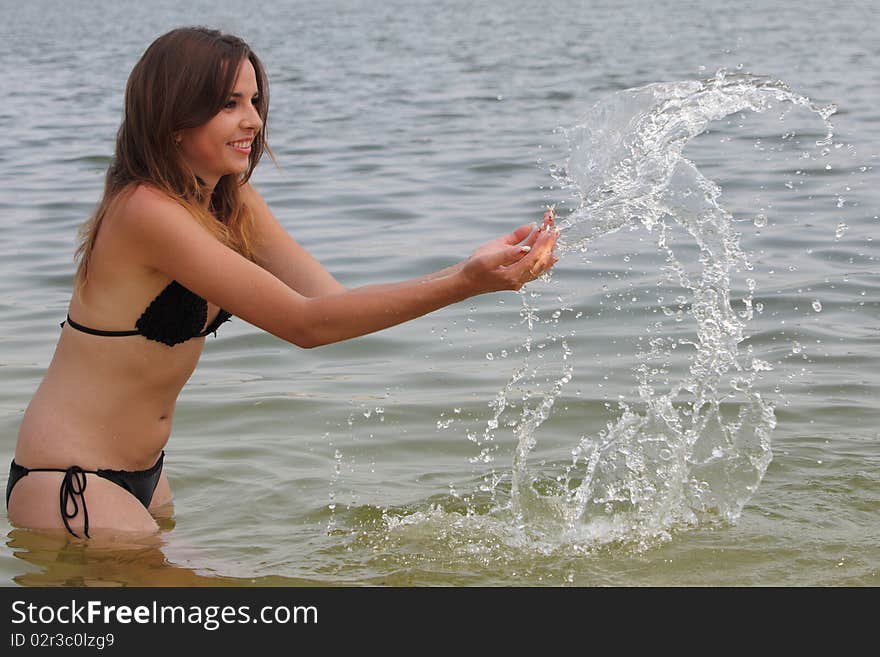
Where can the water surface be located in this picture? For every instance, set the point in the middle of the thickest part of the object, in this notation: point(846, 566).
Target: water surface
point(456, 450)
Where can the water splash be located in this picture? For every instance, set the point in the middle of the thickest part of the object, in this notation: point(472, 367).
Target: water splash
point(697, 452)
point(681, 453)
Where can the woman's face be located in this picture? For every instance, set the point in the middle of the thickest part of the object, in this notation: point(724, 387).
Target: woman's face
point(222, 146)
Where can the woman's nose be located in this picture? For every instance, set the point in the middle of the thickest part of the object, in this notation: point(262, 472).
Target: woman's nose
point(252, 119)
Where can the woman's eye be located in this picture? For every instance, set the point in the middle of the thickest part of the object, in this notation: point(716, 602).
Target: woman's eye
point(230, 104)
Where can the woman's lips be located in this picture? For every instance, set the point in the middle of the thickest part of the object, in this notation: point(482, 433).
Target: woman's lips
point(240, 146)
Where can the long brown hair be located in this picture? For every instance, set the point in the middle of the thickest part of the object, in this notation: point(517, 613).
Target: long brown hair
point(181, 81)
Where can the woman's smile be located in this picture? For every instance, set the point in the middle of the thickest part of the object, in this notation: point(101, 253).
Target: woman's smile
point(243, 146)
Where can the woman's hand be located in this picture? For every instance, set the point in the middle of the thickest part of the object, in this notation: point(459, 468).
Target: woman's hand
point(511, 261)
point(517, 236)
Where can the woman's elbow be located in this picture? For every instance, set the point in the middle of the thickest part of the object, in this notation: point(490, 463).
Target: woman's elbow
point(307, 336)
point(310, 343)
point(311, 329)
point(304, 340)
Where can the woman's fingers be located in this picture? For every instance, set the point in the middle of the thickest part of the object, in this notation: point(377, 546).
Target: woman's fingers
point(519, 234)
point(540, 267)
point(546, 224)
point(532, 238)
point(507, 256)
point(540, 257)
point(527, 234)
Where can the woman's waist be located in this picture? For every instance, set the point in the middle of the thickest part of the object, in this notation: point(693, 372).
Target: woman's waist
point(53, 436)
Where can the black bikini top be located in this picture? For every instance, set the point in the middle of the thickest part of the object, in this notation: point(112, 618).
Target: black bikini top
point(174, 316)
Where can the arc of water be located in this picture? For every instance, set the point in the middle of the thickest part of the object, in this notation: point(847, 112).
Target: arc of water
point(626, 165)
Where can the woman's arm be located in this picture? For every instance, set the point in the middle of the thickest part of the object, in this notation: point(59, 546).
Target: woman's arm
point(277, 252)
point(170, 240)
point(525, 235)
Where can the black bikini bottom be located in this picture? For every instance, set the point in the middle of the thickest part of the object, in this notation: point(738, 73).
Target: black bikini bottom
point(140, 483)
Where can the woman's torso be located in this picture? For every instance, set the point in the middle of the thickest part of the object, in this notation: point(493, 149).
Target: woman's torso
point(108, 401)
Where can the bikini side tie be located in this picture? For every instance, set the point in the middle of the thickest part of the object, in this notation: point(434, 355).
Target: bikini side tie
point(73, 485)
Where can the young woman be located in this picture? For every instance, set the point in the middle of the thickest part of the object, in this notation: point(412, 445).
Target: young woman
point(179, 242)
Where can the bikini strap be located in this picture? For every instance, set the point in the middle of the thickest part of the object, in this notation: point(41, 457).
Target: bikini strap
point(91, 331)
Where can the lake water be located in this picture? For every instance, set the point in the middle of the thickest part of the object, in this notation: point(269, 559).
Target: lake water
point(689, 399)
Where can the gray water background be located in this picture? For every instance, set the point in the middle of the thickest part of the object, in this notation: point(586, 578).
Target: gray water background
point(407, 134)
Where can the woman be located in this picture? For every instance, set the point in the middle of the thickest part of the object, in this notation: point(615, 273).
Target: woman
point(179, 242)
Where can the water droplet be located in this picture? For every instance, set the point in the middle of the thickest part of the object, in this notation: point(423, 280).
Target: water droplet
point(817, 305)
point(490, 356)
point(841, 230)
point(761, 220)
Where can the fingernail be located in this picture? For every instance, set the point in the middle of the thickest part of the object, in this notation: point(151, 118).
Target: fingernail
point(525, 249)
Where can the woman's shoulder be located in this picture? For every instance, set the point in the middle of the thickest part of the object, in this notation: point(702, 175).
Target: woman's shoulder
point(143, 203)
point(141, 217)
point(143, 197)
